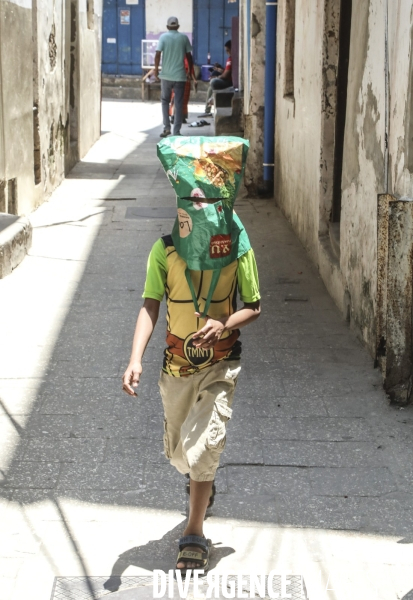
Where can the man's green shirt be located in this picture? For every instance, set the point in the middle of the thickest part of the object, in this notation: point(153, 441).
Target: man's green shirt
point(174, 46)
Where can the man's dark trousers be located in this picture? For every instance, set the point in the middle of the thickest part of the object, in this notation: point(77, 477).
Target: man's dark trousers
point(166, 91)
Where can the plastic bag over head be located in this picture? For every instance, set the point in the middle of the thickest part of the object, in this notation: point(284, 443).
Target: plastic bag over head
point(206, 173)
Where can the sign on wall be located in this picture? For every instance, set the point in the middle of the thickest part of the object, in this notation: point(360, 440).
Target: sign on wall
point(125, 17)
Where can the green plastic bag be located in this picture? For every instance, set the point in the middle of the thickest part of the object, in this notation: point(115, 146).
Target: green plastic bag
point(206, 173)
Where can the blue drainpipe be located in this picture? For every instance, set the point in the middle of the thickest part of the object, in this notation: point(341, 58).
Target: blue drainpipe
point(269, 97)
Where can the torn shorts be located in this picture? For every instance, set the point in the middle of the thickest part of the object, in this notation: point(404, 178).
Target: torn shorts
point(196, 411)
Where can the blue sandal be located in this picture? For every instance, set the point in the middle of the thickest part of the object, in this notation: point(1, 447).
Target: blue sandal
point(186, 555)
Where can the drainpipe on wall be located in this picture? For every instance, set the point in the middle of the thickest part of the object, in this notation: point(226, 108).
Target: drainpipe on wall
point(269, 97)
point(3, 134)
point(387, 97)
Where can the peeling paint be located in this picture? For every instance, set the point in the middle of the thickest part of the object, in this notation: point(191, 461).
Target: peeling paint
point(372, 142)
point(255, 26)
point(52, 47)
point(360, 35)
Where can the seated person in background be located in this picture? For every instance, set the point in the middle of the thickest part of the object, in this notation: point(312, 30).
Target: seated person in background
point(220, 82)
point(150, 77)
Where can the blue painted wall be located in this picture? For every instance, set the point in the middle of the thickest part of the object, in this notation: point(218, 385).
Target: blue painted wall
point(212, 28)
point(124, 23)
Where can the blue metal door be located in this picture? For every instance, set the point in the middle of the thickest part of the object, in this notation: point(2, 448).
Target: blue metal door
point(123, 30)
point(212, 28)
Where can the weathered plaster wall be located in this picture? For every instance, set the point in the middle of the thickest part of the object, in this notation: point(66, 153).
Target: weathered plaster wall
point(363, 163)
point(52, 110)
point(401, 69)
point(158, 11)
point(305, 140)
point(298, 123)
point(89, 77)
point(254, 97)
point(41, 137)
point(16, 95)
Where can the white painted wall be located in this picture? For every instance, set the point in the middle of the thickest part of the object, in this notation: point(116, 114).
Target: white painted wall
point(298, 123)
point(158, 12)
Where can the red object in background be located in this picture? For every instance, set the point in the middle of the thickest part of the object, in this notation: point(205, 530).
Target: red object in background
point(187, 93)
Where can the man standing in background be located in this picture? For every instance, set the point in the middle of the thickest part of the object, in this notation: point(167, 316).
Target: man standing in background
point(174, 47)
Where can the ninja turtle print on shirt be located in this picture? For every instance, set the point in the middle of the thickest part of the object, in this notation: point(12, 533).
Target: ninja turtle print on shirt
point(166, 276)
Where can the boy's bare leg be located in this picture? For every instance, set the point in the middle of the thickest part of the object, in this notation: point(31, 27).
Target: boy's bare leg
point(198, 503)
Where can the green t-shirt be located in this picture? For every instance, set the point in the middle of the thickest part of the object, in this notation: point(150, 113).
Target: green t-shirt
point(166, 275)
point(174, 46)
point(157, 270)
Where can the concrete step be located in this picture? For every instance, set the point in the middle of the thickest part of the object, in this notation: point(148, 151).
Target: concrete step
point(15, 241)
point(129, 87)
point(121, 80)
point(135, 81)
point(123, 93)
point(228, 113)
point(152, 92)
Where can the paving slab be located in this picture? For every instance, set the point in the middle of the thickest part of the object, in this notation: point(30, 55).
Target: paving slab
point(320, 454)
point(346, 482)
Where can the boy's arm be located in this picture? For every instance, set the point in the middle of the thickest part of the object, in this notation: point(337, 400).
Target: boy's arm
point(145, 325)
point(248, 284)
point(213, 329)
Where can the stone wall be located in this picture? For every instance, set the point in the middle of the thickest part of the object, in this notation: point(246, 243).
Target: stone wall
point(363, 165)
point(252, 57)
point(50, 95)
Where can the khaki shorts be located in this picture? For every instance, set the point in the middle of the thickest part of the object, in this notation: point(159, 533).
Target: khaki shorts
point(197, 409)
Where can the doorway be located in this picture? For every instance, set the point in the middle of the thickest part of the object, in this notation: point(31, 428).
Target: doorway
point(341, 104)
point(123, 30)
point(212, 28)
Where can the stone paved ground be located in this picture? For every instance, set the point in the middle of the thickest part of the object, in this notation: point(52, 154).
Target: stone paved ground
point(317, 477)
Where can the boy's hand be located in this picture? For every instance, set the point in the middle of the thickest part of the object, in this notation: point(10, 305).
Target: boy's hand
point(210, 333)
point(131, 378)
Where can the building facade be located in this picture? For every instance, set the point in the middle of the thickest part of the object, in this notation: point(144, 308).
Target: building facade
point(207, 23)
point(343, 162)
point(50, 55)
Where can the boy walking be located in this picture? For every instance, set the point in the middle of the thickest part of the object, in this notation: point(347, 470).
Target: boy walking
point(199, 269)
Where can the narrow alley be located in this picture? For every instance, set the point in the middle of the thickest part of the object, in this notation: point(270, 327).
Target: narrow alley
point(316, 479)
